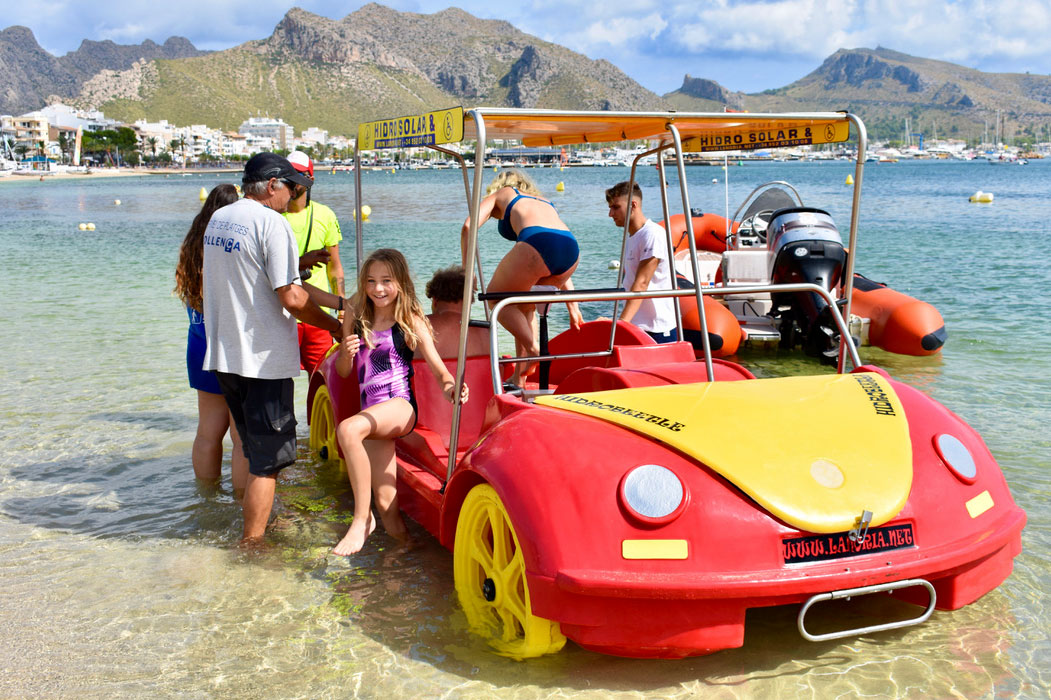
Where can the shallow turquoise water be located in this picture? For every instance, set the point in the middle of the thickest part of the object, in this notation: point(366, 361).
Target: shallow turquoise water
point(118, 572)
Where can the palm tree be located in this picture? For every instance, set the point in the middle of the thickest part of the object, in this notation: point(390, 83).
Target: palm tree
point(64, 145)
point(152, 141)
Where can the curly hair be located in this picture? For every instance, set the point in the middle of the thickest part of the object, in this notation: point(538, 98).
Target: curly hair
point(513, 178)
point(188, 272)
point(407, 308)
point(447, 285)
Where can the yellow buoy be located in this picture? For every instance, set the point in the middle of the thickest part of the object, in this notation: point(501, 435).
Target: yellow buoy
point(91, 226)
point(560, 187)
point(496, 168)
point(116, 202)
point(203, 195)
point(850, 179)
point(82, 226)
point(981, 197)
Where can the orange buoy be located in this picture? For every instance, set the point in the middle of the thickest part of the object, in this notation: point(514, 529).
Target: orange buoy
point(709, 231)
point(897, 322)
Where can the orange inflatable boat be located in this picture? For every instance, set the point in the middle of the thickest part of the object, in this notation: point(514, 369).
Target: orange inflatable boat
point(897, 322)
point(709, 231)
point(724, 330)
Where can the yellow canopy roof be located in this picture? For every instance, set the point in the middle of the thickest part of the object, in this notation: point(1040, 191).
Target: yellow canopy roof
point(714, 131)
point(699, 131)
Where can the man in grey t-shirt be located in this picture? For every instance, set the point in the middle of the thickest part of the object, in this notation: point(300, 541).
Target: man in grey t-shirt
point(252, 298)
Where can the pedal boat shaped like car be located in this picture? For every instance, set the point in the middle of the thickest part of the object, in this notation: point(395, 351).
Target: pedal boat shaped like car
point(644, 504)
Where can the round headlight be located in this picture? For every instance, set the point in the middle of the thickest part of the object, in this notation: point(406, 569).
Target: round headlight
point(956, 456)
point(653, 494)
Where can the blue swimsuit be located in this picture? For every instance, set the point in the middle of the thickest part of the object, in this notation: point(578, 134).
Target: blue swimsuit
point(557, 247)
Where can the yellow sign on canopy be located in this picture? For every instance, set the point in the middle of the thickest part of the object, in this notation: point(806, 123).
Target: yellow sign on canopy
point(430, 129)
point(757, 135)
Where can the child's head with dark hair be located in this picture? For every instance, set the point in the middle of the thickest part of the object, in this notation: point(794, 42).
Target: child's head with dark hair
point(447, 285)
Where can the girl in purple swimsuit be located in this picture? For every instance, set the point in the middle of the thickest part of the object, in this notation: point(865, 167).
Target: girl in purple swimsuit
point(545, 253)
point(383, 326)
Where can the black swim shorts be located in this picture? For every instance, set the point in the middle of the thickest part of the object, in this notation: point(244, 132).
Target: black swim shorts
point(264, 413)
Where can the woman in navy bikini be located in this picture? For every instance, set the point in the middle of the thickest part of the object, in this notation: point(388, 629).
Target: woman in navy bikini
point(545, 253)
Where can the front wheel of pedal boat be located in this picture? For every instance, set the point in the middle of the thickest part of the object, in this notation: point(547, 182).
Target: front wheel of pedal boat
point(489, 573)
point(323, 426)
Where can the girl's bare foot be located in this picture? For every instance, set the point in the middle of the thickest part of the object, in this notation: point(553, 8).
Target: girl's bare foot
point(354, 540)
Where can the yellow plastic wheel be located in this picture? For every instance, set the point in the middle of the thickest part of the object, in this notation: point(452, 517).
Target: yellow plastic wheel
point(323, 426)
point(489, 572)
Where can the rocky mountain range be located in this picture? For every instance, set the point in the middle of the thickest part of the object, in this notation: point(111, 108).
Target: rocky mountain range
point(375, 62)
point(884, 87)
point(314, 71)
point(30, 76)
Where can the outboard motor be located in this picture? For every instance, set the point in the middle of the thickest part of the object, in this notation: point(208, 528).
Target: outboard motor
point(806, 247)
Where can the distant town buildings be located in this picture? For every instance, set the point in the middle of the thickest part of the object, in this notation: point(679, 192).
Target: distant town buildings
point(48, 134)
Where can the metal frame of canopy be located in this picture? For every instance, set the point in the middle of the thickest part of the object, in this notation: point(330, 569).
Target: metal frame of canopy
point(682, 132)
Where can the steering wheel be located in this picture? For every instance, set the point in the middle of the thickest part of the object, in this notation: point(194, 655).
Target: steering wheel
point(755, 225)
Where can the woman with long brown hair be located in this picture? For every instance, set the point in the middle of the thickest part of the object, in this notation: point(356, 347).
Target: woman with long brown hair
point(213, 415)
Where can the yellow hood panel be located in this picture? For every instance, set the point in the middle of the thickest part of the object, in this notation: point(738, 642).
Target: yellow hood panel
point(814, 451)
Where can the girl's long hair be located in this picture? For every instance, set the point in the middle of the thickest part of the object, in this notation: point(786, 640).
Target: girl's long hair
point(191, 255)
point(407, 308)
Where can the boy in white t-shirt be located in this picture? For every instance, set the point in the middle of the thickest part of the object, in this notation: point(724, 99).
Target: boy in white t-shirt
point(645, 264)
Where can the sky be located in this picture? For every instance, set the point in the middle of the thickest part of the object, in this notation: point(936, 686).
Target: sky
point(745, 45)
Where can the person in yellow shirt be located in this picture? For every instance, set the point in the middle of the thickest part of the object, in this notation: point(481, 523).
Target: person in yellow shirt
point(317, 237)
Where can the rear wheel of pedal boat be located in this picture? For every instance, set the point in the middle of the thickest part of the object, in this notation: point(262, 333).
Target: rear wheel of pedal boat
point(489, 573)
point(323, 426)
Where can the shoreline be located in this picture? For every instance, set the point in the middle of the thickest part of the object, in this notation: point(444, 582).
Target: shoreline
point(113, 172)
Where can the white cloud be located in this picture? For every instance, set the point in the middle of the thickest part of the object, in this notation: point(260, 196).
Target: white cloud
point(624, 30)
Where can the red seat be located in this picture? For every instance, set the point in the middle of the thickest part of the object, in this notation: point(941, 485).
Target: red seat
point(428, 444)
point(434, 410)
point(593, 336)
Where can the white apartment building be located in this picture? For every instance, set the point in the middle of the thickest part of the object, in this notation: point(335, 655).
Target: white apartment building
point(281, 135)
point(59, 114)
point(314, 135)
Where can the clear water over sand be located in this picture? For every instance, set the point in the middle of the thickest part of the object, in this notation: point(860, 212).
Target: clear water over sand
point(119, 574)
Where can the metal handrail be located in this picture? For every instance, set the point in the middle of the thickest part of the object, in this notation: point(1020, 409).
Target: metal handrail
point(702, 319)
point(865, 590)
point(659, 151)
point(475, 201)
point(585, 295)
point(467, 189)
point(855, 213)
